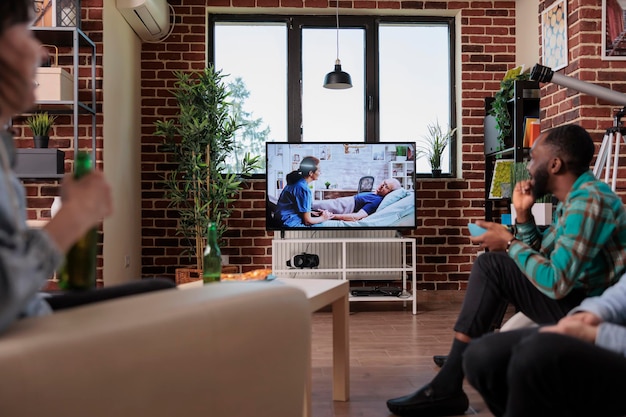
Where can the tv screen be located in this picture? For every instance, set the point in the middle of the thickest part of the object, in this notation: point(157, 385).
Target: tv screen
point(340, 185)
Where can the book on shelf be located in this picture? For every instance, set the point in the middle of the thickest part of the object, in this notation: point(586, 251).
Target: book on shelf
point(532, 129)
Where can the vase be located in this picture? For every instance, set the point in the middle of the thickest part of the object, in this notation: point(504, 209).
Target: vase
point(41, 141)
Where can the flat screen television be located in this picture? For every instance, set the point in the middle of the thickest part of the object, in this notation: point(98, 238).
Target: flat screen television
point(349, 174)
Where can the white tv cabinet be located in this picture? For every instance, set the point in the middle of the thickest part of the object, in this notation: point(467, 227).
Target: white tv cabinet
point(346, 265)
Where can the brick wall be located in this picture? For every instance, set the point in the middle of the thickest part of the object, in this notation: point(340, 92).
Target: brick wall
point(40, 194)
point(487, 36)
point(445, 206)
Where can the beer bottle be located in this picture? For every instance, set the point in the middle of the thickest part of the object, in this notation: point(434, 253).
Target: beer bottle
point(212, 260)
point(79, 270)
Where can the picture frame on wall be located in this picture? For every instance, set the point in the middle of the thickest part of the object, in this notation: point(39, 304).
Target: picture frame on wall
point(613, 24)
point(554, 36)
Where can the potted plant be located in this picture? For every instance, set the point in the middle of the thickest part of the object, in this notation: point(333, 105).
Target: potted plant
point(500, 105)
point(436, 142)
point(401, 153)
point(40, 124)
point(327, 184)
point(200, 137)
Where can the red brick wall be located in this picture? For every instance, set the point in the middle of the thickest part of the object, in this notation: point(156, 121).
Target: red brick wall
point(487, 36)
point(40, 194)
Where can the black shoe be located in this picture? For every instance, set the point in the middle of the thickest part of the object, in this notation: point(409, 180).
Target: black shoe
point(426, 403)
point(440, 360)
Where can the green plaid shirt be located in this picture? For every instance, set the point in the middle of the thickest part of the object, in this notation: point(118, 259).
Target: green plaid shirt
point(584, 246)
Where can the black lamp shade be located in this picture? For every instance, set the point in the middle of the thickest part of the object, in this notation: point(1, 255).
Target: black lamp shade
point(337, 79)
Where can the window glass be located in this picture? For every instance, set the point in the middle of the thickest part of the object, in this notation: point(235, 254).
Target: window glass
point(414, 84)
point(402, 80)
point(253, 56)
point(332, 115)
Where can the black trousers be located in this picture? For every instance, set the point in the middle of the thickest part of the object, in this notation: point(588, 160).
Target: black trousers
point(529, 373)
point(68, 299)
point(494, 282)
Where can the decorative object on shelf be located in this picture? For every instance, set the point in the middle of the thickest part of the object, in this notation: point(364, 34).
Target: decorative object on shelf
point(401, 153)
point(68, 13)
point(436, 142)
point(200, 137)
point(500, 108)
point(554, 35)
point(502, 173)
point(337, 79)
point(327, 184)
point(40, 124)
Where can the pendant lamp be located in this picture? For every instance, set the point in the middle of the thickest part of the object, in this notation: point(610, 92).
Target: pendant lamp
point(337, 79)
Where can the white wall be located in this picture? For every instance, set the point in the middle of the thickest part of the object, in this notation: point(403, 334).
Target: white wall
point(122, 146)
point(527, 33)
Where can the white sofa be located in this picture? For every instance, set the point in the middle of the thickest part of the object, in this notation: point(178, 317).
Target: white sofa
point(225, 349)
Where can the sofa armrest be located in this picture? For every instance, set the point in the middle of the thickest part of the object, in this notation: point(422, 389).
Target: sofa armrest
point(225, 349)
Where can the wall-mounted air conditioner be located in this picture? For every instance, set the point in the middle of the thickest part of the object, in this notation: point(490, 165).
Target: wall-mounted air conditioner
point(150, 19)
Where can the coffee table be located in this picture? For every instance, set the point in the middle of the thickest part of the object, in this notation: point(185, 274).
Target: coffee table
point(321, 293)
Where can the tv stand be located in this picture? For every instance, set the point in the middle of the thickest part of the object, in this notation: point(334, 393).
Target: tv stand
point(350, 258)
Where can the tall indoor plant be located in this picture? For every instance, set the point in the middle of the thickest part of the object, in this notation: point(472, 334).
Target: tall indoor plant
point(436, 142)
point(200, 137)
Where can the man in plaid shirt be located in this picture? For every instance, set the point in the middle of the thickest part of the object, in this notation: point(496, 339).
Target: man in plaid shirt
point(543, 274)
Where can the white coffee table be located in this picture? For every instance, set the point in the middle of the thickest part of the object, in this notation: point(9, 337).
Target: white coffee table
point(322, 293)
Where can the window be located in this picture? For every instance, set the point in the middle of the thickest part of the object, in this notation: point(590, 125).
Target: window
point(401, 69)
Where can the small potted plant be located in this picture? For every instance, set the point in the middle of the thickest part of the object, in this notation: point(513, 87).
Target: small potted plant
point(436, 142)
point(400, 153)
point(327, 184)
point(40, 124)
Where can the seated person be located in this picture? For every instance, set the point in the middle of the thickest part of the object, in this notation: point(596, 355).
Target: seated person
point(568, 369)
point(28, 257)
point(294, 204)
point(359, 206)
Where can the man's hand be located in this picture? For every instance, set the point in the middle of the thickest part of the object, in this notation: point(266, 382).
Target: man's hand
point(495, 238)
point(578, 327)
point(523, 200)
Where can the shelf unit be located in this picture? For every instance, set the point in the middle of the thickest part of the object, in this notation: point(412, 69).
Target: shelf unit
point(525, 103)
point(82, 47)
point(403, 172)
point(344, 268)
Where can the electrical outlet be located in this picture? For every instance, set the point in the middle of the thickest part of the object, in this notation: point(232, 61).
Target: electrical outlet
point(127, 261)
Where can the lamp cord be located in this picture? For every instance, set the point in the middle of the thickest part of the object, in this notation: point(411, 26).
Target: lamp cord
point(337, 19)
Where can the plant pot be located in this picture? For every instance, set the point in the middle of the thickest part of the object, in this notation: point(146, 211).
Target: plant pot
point(436, 173)
point(41, 141)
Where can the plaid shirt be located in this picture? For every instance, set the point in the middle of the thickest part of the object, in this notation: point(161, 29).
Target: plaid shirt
point(584, 247)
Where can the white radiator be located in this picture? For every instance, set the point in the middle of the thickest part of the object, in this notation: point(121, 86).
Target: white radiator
point(359, 255)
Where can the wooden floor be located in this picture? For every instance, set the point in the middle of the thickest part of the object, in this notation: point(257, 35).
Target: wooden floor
point(390, 354)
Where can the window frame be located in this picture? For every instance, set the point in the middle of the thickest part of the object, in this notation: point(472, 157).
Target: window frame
point(370, 24)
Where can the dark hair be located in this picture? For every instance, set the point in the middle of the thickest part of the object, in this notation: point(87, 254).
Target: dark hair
point(574, 145)
point(13, 12)
point(309, 164)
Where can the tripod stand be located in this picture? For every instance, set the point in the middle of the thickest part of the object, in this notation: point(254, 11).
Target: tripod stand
point(609, 150)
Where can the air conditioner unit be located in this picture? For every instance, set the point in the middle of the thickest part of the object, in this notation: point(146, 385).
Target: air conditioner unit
point(150, 19)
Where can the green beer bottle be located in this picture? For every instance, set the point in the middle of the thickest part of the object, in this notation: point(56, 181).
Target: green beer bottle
point(212, 260)
point(79, 270)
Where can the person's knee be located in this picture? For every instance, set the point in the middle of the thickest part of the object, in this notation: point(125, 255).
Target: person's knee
point(535, 354)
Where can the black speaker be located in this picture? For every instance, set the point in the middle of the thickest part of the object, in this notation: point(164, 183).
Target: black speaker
point(304, 260)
